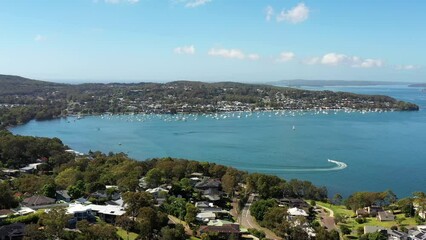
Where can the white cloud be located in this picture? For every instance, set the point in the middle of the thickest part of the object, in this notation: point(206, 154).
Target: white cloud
point(406, 67)
point(295, 15)
point(227, 53)
point(120, 1)
point(196, 3)
point(368, 63)
point(286, 56)
point(269, 13)
point(312, 60)
point(40, 38)
point(335, 59)
point(185, 50)
point(253, 57)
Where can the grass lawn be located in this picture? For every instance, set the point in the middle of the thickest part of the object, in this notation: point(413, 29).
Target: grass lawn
point(123, 234)
point(375, 222)
point(194, 238)
point(337, 209)
point(371, 221)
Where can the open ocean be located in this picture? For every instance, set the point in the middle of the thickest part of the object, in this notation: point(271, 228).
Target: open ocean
point(371, 151)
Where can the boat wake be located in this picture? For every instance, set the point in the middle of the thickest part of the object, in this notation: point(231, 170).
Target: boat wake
point(336, 167)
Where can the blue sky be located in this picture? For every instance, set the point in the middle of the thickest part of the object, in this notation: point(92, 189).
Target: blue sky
point(213, 40)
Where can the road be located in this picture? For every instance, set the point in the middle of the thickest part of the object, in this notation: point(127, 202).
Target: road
point(248, 221)
point(327, 219)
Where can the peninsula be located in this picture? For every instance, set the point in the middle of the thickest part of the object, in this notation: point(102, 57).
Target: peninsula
point(22, 99)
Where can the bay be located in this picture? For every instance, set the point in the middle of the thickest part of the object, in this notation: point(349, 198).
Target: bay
point(374, 151)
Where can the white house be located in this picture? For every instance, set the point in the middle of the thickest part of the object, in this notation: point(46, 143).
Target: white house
point(297, 212)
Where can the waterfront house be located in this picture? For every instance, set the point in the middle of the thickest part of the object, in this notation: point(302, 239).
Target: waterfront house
point(373, 210)
point(385, 216)
point(362, 212)
point(294, 212)
point(293, 202)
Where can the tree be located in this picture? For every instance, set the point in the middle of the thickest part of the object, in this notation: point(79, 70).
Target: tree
point(154, 177)
point(191, 213)
point(77, 190)
point(55, 221)
point(7, 200)
point(337, 199)
point(259, 208)
point(67, 178)
point(126, 223)
point(137, 200)
point(345, 229)
point(177, 233)
point(33, 232)
point(49, 190)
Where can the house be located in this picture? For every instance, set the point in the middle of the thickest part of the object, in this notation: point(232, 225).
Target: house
point(396, 235)
point(373, 210)
point(227, 231)
point(158, 192)
point(30, 168)
point(142, 183)
point(12, 231)
point(38, 200)
point(208, 183)
point(207, 207)
point(218, 222)
point(212, 194)
point(80, 212)
point(62, 195)
point(373, 229)
point(293, 202)
point(4, 213)
point(362, 212)
point(108, 213)
point(422, 214)
point(206, 216)
point(416, 235)
point(391, 234)
point(385, 216)
point(297, 212)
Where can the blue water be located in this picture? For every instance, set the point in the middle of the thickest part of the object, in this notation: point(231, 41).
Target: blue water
point(382, 150)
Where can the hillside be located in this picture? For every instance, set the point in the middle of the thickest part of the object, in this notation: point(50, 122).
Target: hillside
point(16, 85)
point(333, 83)
point(24, 99)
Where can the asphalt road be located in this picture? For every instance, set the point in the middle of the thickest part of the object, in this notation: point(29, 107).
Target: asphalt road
point(248, 221)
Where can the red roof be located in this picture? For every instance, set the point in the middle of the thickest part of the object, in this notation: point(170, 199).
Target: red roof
point(227, 228)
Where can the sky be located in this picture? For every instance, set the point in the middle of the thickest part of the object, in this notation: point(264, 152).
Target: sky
point(213, 40)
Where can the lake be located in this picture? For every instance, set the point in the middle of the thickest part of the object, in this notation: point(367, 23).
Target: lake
point(369, 151)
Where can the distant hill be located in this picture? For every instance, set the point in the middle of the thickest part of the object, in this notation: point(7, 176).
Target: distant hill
point(325, 83)
point(418, 85)
point(16, 85)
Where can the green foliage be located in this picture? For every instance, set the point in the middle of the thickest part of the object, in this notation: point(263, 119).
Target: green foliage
point(77, 190)
point(27, 219)
point(345, 229)
point(7, 200)
point(136, 201)
point(49, 190)
point(257, 233)
point(191, 213)
point(176, 206)
point(177, 233)
point(259, 208)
